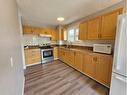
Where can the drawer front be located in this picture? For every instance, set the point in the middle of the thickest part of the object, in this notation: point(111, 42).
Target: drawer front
point(32, 51)
point(32, 56)
point(33, 60)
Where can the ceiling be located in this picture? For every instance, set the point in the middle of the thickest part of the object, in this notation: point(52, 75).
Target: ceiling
point(45, 12)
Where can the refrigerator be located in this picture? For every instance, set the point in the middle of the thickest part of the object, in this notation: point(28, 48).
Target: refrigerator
point(119, 72)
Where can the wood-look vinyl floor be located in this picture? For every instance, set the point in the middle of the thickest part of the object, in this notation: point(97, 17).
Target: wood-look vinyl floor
point(57, 78)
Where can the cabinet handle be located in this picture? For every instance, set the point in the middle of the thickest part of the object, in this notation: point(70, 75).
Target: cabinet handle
point(95, 59)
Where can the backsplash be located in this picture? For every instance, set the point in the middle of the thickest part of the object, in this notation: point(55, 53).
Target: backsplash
point(35, 40)
point(90, 43)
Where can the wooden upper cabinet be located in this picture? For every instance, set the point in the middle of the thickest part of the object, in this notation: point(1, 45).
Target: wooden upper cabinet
point(109, 23)
point(83, 30)
point(54, 35)
point(62, 34)
point(94, 28)
point(49, 31)
point(27, 30)
point(46, 31)
point(100, 28)
point(36, 30)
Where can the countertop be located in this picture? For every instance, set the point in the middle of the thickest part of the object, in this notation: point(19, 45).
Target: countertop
point(82, 49)
point(73, 48)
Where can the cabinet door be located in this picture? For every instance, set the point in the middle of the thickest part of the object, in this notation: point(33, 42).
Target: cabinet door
point(89, 64)
point(83, 31)
point(55, 52)
point(69, 57)
point(103, 69)
point(54, 35)
point(62, 34)
point(94, 28)
point(46, 31)
point(36, 30)
point(27, 30)
point(60, 54)
point(78, 60)
point(109, 23)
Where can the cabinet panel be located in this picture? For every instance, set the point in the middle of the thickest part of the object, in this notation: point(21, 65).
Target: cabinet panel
point(89, 65)
point(36, 30)
point(78, 60)
point(27, 30)
point(103, 68)
point(60, 53)
point(69, 57)
point(109, 23)
point(94, 28)
point(54, 35)
point(55, 52)
point(32, 56)
point(83, 31)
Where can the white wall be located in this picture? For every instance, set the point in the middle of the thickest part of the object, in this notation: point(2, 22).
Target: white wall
point(11, 76)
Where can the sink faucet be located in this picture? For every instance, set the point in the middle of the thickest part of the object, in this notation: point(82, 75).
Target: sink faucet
point(69, 44)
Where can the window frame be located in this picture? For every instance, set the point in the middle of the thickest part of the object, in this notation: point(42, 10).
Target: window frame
point(75, 35)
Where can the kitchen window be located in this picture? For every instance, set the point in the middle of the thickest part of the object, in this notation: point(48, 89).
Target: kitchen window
point(73, 34)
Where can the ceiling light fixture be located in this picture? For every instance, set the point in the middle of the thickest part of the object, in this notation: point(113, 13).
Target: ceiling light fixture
point(60, 19)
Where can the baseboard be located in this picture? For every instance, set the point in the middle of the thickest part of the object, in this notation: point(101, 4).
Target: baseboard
point(33, 64)
point(56, 58)
point(86, 74)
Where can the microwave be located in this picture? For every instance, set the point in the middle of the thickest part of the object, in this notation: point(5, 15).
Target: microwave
point(102, 48)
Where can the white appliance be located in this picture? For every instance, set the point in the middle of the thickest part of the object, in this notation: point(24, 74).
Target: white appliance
point(119, 74)
point(102, 48)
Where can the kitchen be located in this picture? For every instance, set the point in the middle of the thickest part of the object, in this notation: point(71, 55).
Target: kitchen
point(87, 47)
point(75, 47)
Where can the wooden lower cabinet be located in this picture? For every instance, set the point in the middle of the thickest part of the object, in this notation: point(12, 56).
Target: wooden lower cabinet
point(61, 54)
point(32, 56)
point(70, 57)
point(89, 65)
point(96, 66)
point(103, 69)
point(78, 60)
point(66, 56)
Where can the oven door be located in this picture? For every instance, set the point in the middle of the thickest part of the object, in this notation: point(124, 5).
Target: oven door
point(47, 54)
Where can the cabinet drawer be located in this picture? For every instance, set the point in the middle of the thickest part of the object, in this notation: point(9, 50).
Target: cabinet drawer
point(32, 51)
point(32, 55)
point(33, 60)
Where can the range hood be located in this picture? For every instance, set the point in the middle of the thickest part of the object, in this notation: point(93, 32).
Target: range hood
point(43, 35)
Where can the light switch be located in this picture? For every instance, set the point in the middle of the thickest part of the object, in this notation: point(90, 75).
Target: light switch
point(11, 62)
